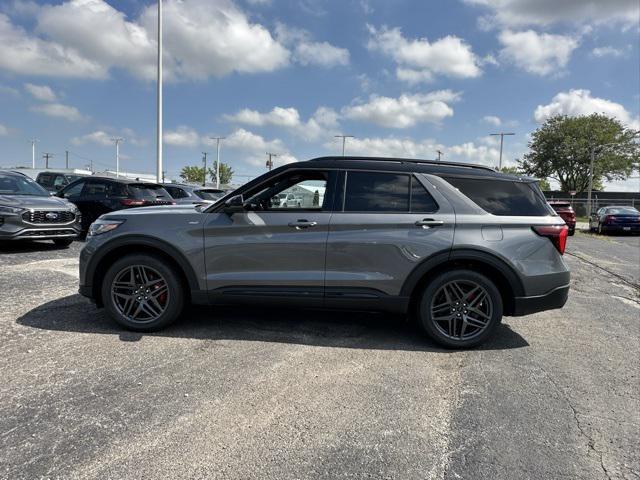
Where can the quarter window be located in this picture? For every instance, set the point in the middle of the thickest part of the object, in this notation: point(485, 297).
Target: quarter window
point(421, 199)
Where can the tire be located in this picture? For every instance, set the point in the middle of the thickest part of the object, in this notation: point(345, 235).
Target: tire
point(572, 232)
point(63, 242)
point(459, 333)
point(122, 301)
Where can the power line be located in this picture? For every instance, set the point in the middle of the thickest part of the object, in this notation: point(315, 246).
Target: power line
point(270, 161)
point(46, 157)
point(439, 154)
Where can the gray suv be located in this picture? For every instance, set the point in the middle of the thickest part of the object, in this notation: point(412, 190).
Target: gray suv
point(29, 212)
point(454, 246)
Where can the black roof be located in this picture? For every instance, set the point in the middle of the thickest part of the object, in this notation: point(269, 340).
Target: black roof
point(119, 179)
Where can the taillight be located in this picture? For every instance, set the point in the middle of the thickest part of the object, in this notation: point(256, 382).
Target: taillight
point(608, 219)
point(556, 233)
point(131, 202)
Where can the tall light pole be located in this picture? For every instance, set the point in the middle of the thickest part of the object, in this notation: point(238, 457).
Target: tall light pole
point(217, 139)
point(502, 134)
point(204, 162)
point(344, 140)
point(159, 118)
point(117, 140)
point(33, 152)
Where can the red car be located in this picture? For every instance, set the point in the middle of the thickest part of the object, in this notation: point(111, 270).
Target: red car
point(565, 210)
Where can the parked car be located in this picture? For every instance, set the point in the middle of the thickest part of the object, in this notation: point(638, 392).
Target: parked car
point(29, 212)
point(191, 194)
point(615, 219)
point(95, 196)
point(566, 212)
point(381, 239)
point(55, 181)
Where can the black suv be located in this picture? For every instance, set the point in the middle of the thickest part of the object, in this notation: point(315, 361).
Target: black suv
point(95, 196)
point(56, 181)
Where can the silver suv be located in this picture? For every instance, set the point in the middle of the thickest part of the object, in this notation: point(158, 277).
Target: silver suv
point(454, 246)
point(29, 212)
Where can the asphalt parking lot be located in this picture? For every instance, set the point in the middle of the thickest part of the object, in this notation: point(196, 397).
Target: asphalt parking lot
point(296, 394)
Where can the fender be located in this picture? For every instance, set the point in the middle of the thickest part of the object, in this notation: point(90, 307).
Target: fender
point(146, 241)
point(462, 254)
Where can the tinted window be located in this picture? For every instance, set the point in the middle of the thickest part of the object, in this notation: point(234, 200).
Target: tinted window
point(421, 200)
point(621, 211)
point(503, 197)
point(95, 188)
point(376, 192)
point(176, 192)
point(74, 190)
point(45, 179)
point(149, 191)
point(301, 190)
point(19, 185)
point(209, 194)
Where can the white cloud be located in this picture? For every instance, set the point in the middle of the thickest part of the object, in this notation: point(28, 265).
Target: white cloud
point(41, 92)
point(256, 147)
point(323, 120)
point(87, 38)
point(547, 12)
point(420, 59)
point(183, 136)
point(59, 110)
point(9, 91)
point(308, 52)
point(607, 51)
point(580, 102)
point(426, 149)
point(105, 138)
point(404, 111)
point(537, 53)
point(4, 131)
point(492, 120)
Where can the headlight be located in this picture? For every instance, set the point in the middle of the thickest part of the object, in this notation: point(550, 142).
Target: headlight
point(103, 226)
point(8, 209)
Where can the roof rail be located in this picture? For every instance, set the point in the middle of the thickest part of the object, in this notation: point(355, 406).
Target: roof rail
point(408, 160)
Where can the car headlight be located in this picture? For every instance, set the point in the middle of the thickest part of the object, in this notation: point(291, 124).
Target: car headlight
point(103, 226)
point(8, 209)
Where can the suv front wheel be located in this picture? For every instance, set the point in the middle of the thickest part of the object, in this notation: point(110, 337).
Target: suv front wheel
point(460, 309)
point(142, 293)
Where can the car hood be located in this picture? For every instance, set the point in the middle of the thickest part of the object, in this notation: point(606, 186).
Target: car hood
point(32, 201)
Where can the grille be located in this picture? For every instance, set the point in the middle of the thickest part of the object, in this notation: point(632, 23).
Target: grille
point(47, 233)
point(48, 216)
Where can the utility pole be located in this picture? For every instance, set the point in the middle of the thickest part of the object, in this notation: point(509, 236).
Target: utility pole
point(204, 161)
point(344, 140)
point(439, 154)
point(217, 139)
point(502, 134)
point(46, 157)
point(66, 159)
point(270, 161)
point(159, 101)
point(33, 152)
point(117, 140)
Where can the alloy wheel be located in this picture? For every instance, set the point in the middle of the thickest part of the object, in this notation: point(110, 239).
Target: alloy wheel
point(140, 293)
point(461, 309)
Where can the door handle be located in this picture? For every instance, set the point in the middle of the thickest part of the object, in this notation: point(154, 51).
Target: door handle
point(428, 223)
point(302, 223)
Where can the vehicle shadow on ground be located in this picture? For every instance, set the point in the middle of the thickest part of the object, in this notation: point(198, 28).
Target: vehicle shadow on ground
point(17, 247)
point(362, 330)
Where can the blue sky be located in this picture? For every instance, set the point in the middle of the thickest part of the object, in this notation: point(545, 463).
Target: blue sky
point(405, 77)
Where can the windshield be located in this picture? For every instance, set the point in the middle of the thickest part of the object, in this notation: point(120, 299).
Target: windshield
point(209, 194)
point(19, 185)
point(622, 211)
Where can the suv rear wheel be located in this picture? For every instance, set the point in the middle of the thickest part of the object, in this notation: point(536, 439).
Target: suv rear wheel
point(142, 293)
point(460, 309)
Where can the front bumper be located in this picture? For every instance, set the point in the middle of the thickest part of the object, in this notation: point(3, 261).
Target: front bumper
point(551, 300)
point(15, 227)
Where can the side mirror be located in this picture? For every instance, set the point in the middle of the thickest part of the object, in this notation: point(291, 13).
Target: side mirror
point(234, 204)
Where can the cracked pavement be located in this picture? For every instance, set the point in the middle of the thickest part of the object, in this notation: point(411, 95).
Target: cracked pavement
point(299, 394)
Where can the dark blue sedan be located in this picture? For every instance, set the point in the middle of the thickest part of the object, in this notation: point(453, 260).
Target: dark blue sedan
point(615, 219)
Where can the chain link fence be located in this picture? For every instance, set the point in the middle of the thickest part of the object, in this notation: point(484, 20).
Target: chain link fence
point(580, 204)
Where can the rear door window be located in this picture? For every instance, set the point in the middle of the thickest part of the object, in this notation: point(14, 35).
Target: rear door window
point(503, 197)
point(376, 192)
point(149, 192)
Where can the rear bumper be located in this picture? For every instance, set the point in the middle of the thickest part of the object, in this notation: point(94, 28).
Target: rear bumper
point(633, 227)
point(556, 298)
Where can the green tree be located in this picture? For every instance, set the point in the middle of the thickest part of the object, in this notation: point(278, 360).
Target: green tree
point(226, 173)
point(561, 149)
point(192, 174)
